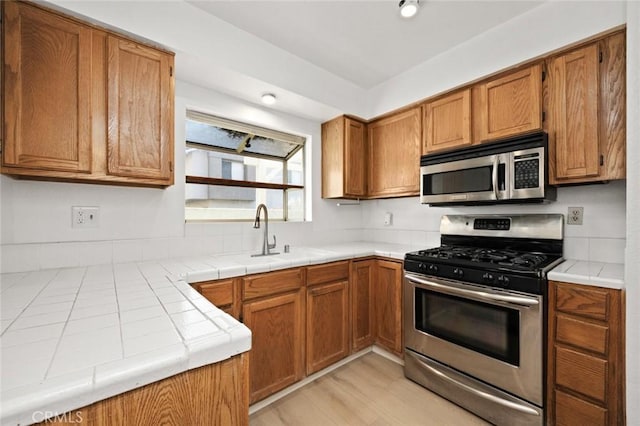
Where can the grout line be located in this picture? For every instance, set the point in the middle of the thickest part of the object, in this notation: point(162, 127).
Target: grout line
point(55, 352)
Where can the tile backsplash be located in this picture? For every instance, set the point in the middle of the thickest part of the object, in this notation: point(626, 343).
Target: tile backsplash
point(601, 238)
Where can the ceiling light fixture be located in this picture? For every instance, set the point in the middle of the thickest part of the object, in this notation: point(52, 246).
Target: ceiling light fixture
point(408, 8)
point(268, 99)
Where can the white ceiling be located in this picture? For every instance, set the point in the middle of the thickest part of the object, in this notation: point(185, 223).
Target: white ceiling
point(364, 42)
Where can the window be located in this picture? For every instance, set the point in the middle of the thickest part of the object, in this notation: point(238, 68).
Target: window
point(232, 167)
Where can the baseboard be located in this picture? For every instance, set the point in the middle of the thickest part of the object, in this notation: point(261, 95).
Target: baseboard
point(390, 356)
point(284, 392)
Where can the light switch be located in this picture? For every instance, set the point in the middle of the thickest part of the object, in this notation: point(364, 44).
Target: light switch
point(387, 219)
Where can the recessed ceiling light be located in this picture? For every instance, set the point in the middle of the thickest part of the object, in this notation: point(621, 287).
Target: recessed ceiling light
point(408, 8)
point(268, 99)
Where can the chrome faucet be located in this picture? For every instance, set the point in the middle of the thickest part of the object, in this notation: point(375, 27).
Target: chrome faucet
point(266, 247)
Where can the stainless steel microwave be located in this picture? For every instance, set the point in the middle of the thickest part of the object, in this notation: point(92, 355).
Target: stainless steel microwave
point(512, 170)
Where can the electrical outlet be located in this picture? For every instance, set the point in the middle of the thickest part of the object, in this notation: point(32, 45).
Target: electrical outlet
point(85, 217)
point(574, 215)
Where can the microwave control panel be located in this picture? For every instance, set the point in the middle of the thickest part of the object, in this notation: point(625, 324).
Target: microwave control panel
point(526, 172)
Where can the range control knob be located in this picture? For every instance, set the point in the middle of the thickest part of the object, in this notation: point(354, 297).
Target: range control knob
point(422, 266)
point(487, 277)
point(433, 269)
point(458, 272)
point(503, 280)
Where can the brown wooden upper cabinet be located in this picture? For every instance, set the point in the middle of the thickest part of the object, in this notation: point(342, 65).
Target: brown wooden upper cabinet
point(510, 104)
point(47, 82)
point(394, 154)
point(140, 111)
point(447, 122)
point(83, 104)
point(587, 112)
point(343, 158)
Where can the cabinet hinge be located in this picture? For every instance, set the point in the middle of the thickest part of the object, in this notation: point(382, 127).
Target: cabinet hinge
point(600, 56)
point(170, 71)
point(602, 160)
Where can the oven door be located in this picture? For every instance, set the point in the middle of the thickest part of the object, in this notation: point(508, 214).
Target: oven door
point(482, 178)
point(493, 335)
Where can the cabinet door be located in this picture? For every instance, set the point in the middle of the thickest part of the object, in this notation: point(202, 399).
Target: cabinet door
point(447, 122)
point(277, 343)
point(333, 165)
point(388, 305)
point(573, 97)
point(362, 279)
point(511, 104)
point(354, 158)
point(47, 86)
point(327, 324)
point(343, 158)
point(394, 154)
point(140, 111)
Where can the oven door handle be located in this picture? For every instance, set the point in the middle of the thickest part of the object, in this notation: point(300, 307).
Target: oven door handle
point(477, 295)
point(477, 392)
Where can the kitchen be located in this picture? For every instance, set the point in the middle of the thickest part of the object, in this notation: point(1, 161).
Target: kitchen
point(144, 224)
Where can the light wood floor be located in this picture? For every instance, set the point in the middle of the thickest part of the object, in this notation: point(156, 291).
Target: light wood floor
point(371, 390)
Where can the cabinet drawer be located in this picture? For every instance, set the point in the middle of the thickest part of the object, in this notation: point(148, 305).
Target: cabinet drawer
point(220, 293)
point(585, 335)
point(272, 283)
point(327, 273)
point(582, 373)
point(579, 300)
point(574, 411)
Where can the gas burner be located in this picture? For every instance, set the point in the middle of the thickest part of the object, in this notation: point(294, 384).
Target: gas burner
point(502, 257)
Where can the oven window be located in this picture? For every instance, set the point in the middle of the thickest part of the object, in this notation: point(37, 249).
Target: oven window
point(488, 329)
point(459, 181)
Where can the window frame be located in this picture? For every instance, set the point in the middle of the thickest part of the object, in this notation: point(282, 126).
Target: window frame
point(205, 180)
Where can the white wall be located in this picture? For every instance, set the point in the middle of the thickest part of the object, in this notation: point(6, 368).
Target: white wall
point(632, 266)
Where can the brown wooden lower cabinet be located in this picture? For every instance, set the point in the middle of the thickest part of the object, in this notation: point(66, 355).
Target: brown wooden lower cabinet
point(223, 294)
point(585, 383)
point(216, 394)
point(327, 324)
point(305, 319)
point(362, 280)
point(277, 347)
point(388, 305)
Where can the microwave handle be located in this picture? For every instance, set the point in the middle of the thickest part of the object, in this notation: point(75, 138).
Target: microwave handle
point(494, 176)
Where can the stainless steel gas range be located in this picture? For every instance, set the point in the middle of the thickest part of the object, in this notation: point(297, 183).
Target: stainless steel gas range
point(474, 312)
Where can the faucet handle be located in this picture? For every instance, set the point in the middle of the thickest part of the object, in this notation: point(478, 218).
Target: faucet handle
point(272, 246)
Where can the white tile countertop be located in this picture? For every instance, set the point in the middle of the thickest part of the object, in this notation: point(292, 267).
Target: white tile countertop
point(600, 274)
point(71, 337)
point(218, 267)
